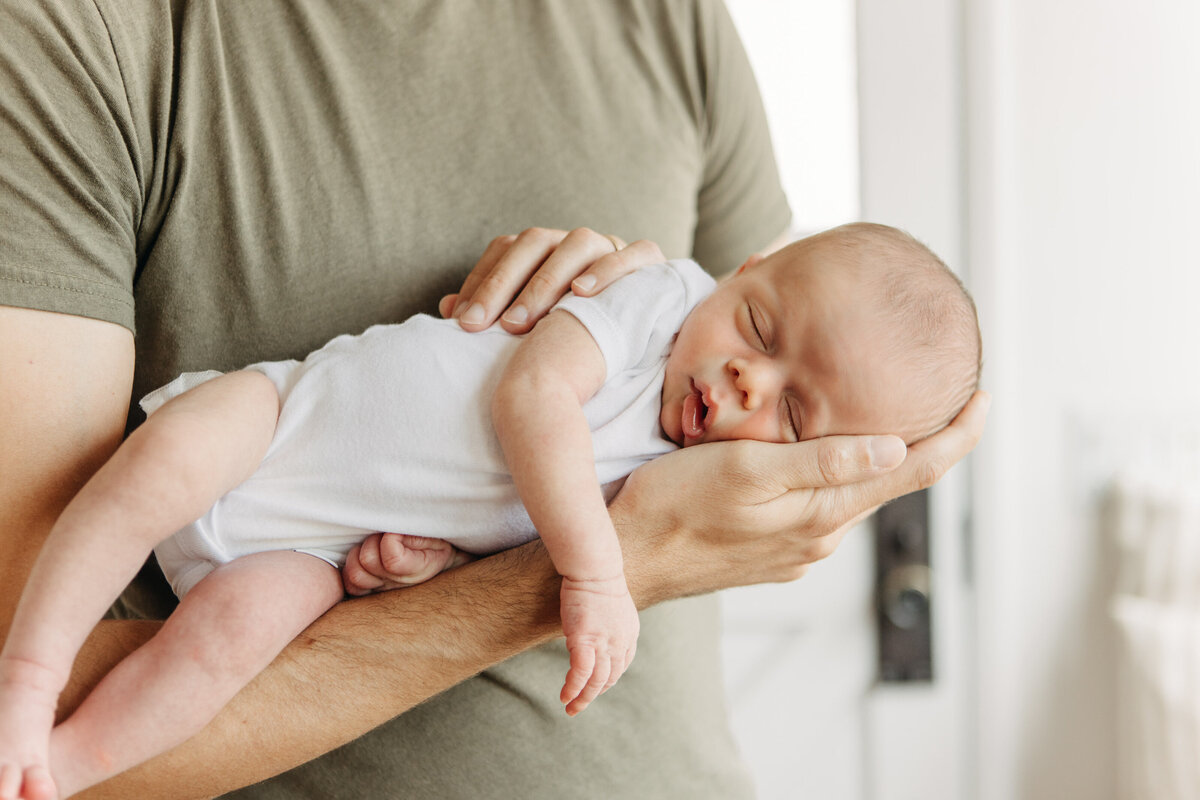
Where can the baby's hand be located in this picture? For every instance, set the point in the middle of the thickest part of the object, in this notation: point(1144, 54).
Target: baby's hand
point(601, 625)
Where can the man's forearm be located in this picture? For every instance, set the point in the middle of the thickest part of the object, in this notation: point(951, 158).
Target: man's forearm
point(361, 664)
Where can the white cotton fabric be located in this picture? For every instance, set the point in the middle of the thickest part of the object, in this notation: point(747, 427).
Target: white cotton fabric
point(390, 430)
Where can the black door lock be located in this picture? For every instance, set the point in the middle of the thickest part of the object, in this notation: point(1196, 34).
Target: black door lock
point(903, 579)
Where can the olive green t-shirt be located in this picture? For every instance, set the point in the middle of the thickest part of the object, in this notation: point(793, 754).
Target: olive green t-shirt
point(239, 181)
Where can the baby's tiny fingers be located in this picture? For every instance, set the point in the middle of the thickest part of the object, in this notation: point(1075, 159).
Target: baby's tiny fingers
point(596, 685)
point(620, 664)
point(583, 662)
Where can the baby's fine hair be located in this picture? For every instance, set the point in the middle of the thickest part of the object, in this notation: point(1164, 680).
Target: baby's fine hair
point(930, 317)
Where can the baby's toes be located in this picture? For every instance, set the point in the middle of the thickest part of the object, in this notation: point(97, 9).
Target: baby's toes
point(10, 781)
point(39, 785)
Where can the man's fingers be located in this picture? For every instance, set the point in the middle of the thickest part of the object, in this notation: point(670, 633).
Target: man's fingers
point(880, 466)
point(839, 507)
point(496, 248)
point(577, 250)
point(496, 279)
point(813, 464)
point(617, 264)
point(518, 279)
point(929, 459)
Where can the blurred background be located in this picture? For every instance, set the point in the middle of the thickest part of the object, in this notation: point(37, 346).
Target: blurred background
point(1050, 152)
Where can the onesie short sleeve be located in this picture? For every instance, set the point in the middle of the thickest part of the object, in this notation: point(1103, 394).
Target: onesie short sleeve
point(69, 192)
point(635, 320)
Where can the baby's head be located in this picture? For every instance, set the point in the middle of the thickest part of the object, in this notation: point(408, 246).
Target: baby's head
point(857, 330)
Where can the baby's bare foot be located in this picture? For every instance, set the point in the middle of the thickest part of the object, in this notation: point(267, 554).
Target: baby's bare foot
point(386, 561)
point(33, 783)
point(28, 695)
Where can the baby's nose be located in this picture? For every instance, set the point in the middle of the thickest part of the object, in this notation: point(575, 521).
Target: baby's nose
point(751, 380)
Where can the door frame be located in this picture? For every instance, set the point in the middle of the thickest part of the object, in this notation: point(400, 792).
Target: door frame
point(921, 739)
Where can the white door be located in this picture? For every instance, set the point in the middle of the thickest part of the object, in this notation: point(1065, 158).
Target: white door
point(883, 112)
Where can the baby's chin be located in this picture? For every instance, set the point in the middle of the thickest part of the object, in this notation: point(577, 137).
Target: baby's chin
point(672, 433)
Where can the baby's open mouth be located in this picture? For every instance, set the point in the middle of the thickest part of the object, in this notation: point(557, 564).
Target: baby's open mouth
point(695, 411)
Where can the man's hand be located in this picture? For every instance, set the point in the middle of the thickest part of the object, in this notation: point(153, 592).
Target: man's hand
point(524, 276)
point(737, 513)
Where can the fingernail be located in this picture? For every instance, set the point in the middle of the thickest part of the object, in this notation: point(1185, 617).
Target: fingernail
point(886, 451)
point(584, 283)
point(473, 315)
point(516, 315)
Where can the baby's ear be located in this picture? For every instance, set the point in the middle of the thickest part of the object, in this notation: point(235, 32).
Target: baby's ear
point(750, 262)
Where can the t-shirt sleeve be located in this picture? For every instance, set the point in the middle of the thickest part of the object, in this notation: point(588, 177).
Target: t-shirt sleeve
point(635, 320)
point(69, 193)
point(741, 207)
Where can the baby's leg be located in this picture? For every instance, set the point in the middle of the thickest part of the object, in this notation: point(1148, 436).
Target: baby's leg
point(168, 473)
point(226, 630)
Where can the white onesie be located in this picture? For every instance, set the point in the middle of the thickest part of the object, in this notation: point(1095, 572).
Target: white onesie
point(391, 431)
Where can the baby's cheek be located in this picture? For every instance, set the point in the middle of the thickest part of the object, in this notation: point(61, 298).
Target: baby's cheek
point(762, 428)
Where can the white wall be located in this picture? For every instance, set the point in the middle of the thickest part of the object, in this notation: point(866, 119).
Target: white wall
point(803, 55)
point(1084, 191)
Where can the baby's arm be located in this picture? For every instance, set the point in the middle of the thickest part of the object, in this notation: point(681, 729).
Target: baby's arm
point(538, 414)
